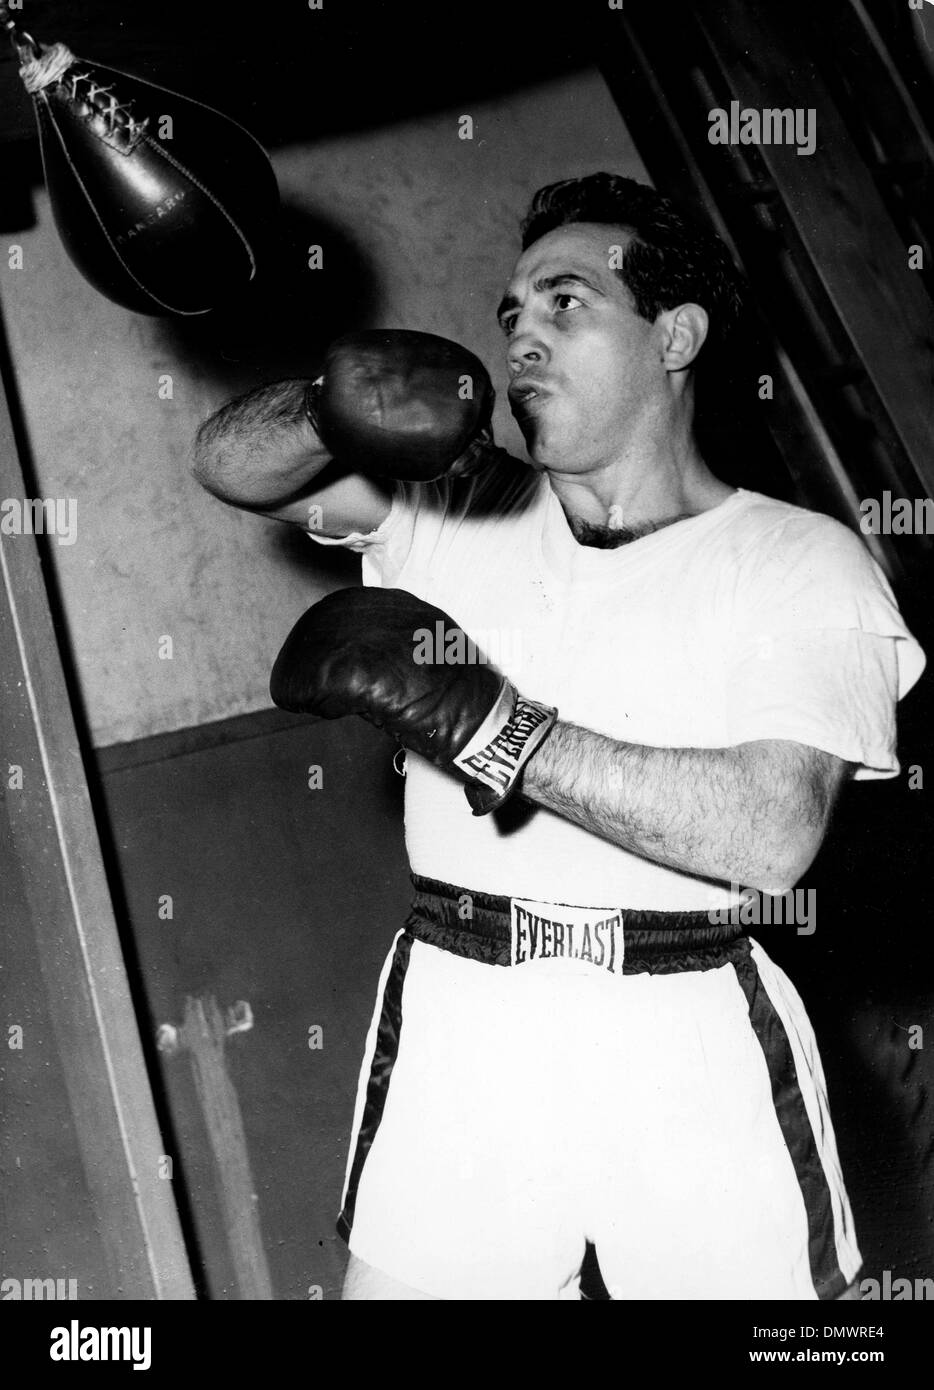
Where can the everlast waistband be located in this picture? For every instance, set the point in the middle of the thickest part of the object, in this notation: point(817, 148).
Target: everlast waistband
point(515, 931)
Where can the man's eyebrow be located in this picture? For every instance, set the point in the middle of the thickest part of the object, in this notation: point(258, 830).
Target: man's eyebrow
point(573, 277)
point(549, 282)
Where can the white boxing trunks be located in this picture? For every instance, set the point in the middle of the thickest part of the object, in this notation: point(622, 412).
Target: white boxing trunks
point(645, 1081)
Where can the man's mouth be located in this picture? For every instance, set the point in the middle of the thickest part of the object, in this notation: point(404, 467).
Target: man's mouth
point(523, 396)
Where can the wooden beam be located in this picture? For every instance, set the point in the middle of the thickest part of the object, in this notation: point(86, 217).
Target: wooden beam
point(52, 833)
point(203, 1036)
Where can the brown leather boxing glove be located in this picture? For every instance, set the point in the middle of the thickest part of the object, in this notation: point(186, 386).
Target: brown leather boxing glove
point(356, 652)
point(398, 404)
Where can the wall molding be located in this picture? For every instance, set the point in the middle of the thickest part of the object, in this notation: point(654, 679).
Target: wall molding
point(179, 743)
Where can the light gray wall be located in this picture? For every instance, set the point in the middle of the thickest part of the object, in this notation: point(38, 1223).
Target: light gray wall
point(434, 221)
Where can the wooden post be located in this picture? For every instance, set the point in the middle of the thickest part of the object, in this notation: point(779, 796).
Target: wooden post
point(203, 1036)
point(52, 834)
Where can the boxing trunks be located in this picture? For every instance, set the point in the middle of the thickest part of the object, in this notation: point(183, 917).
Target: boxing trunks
point(538, 1076)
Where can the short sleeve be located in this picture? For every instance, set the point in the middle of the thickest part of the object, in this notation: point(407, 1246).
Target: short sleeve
point(422, 514)
point(386, 549)
point(821, 653)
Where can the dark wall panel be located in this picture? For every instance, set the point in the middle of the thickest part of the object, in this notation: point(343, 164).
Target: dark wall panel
point(287, 898)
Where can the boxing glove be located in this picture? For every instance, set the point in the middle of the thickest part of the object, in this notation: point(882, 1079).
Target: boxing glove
point(358, 652)
point(398, 404)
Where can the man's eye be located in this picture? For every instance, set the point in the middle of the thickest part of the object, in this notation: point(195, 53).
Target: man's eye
point(507, 324)
point(562, 306)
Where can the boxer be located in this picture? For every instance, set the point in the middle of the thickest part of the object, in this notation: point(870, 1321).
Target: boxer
point(572, 1041)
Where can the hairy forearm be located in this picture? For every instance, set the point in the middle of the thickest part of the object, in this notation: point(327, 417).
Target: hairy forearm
point(753, 814)
point(259, 450)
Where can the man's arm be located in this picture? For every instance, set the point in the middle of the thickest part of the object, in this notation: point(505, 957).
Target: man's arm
point(261, 452)
point(389, 404)
point(754, 814)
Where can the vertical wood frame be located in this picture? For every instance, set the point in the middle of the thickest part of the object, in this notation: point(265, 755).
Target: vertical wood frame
point(54, 837)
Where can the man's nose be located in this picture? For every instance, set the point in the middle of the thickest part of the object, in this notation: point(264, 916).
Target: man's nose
point(526, 349)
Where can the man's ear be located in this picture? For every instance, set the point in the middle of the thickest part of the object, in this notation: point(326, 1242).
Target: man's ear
point(684, 332)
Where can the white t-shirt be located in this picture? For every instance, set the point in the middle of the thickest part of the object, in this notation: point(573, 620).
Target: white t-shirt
point(754, 620)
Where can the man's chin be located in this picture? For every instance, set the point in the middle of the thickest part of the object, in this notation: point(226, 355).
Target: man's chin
point(541, 450)
point(558, 450)
point(554, 457)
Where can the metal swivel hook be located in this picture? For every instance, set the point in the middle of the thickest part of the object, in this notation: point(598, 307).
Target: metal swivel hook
point(27, 49)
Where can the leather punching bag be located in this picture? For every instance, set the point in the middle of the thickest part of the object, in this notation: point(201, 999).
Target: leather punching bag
point(161, 202)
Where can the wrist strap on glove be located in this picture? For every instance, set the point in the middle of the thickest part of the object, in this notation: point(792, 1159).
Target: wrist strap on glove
point(494, 758)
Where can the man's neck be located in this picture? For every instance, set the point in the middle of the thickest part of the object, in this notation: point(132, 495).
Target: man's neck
point(636, 494)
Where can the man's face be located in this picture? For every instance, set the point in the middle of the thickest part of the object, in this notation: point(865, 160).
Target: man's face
point(577, 343)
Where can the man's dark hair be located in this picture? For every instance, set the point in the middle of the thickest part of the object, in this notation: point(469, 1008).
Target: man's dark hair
point(670, 260)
